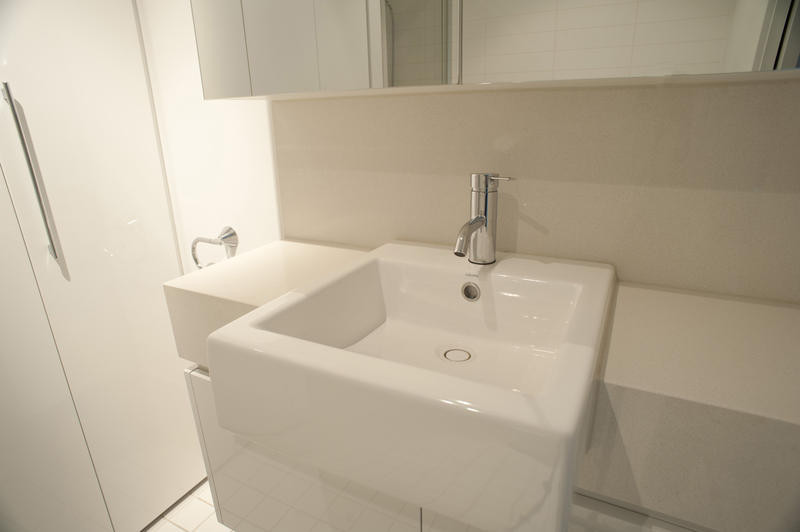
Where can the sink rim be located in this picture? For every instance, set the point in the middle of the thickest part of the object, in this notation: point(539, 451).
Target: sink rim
point(556, 410)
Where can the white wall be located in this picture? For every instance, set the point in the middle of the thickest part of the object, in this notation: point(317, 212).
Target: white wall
point(218, 154)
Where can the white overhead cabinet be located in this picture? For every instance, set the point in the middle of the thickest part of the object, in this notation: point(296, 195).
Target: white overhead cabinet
point(78, 82)
point(257, 47)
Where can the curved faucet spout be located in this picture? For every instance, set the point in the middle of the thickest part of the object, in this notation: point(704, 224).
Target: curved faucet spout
point(464, 234)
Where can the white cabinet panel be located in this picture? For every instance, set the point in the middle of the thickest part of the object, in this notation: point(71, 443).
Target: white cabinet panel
point(255, 489)
point(342, 44)
point(281, 45)
point(79, 76)
point(219, 32)
point(42, 486)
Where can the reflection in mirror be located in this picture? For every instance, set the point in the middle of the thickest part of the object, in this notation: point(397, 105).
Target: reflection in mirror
point(257, 47)
point(526, 40)
point(416, 38)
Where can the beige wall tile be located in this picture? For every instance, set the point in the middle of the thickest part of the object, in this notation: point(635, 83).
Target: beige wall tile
point(656, 10)
point(594, 16)
point(690, 186)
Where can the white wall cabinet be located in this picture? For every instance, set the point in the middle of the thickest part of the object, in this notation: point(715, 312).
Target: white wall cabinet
point(78, 76)
point(257, 47)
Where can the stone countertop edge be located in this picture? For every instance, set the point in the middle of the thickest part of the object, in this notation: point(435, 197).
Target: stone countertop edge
point(722, 351)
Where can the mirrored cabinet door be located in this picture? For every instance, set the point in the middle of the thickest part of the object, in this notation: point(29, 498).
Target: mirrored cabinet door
point(221, 48)
point(263, 47)
point(281, 45)
point(259, 47)
point(256, 47)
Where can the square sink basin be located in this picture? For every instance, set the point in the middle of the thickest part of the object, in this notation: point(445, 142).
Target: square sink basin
point(460, 388)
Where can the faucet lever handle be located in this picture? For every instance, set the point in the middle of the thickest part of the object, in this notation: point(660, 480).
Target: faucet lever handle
point(485, 182)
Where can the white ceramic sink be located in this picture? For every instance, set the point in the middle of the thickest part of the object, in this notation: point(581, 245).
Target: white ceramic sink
point(349, 376)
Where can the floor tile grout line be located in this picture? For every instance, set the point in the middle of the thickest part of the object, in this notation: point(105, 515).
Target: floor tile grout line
point(184, 497)
point(212, 516)
point(181, 503)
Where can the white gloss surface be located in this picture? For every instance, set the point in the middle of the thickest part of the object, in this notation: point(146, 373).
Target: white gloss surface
point(257, 490)
point(669, 342)
point(203, 301)
point(243, 474)
point(43, 486)
point(216, 178)
point(495, 450)
point(79, 76)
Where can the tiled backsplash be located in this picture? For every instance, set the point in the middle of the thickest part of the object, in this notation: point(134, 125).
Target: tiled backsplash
point(519, 40)
point(685, 184)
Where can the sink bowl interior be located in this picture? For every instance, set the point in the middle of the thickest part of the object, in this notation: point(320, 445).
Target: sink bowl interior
point(413, 314)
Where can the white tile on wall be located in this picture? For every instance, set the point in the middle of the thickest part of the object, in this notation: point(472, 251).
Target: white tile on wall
point(592, 73)
point(655, 10)
point(474, 40)
point(474, 66)
point(473, 78)
point(595, 37)
point(408, 36)
point(698, 29)
point(524, 23)
point(676, 36)
point(516, 77)
point(520, 43)
point(679, 53)
point(571, 4)
point(597, 16)
point(481, 9)
point(418, 42)
point(668, 69)
point(619, 56)
point(519, 62)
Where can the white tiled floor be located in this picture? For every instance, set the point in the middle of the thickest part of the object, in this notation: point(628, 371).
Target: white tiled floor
point(196, 514)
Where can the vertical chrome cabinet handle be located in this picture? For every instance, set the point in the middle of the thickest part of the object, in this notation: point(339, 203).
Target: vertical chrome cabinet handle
point(227, 238)
point(38, 184)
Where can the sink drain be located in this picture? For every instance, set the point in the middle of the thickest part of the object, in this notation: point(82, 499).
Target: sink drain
point(457, 355)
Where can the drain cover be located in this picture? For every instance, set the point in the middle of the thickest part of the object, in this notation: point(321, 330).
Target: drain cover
point(457, 355)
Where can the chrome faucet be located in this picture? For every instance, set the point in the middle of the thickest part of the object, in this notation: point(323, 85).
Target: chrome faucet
point(477, 236)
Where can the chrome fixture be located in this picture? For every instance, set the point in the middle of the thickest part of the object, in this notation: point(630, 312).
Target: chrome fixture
point(227, 238)
point(33, 170)
point(477, 236)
